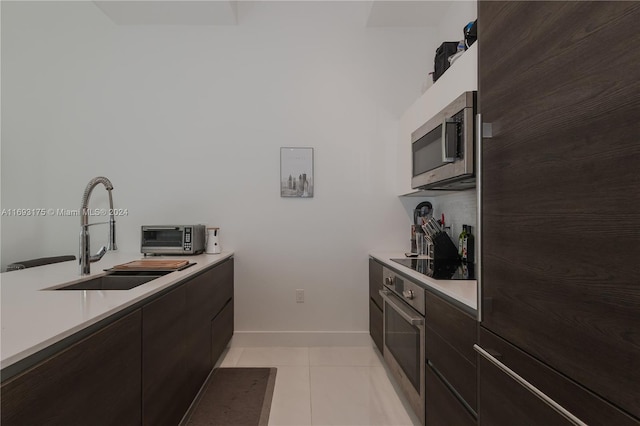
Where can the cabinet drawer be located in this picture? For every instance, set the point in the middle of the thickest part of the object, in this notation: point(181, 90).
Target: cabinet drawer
point(375, 324)
point(222, 277)
point(452, 324)
point(456, 369)
point(442, 407)
point(221, 331)
point(375, 282)
point(504, 401)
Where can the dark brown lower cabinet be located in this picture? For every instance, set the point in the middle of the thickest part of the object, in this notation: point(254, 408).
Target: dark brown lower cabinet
point(184, 333)
point(165, 396)
point(221, 331)
point(221, 282)
point(442, 406)
point(505, 401)
point(221, 315)
point(451, 375)
point(450, 334)
point(459, 373)
point(375, 303)
point(208, 294)
point(96, 381)
point(376, 324)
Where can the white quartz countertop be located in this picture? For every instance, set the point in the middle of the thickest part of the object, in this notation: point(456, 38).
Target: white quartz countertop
point(33, 318)
point(463, 291)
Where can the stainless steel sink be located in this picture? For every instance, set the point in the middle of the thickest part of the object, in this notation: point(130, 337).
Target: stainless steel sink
point(121, 280)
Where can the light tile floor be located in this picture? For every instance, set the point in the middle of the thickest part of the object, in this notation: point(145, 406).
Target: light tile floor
point(341, 386)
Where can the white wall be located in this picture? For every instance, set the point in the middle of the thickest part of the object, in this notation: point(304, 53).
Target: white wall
point(458, 15)
point(458, 207)
point(187, 123)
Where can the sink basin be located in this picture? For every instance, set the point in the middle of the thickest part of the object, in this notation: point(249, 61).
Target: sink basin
point(120, 280)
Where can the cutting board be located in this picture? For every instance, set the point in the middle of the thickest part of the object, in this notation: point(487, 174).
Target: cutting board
point(146, 265)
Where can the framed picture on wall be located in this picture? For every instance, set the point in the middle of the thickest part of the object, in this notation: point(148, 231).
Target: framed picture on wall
point(296, 172)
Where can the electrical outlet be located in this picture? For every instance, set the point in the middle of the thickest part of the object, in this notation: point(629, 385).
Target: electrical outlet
point(299, 295)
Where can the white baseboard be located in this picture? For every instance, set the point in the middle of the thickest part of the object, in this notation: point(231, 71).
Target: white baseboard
point(300, 338)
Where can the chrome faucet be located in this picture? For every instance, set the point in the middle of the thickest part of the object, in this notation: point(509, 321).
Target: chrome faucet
point(85, 258)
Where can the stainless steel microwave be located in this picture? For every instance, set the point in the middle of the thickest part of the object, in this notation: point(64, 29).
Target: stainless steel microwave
point(443, 149)
point(172, 239)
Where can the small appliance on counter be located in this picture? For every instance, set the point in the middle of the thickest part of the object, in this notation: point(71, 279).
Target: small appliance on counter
point(213, 241)
point(172, 239)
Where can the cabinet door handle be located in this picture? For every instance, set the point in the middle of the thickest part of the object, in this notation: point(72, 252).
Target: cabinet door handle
point(534, 390)
point(479, 212)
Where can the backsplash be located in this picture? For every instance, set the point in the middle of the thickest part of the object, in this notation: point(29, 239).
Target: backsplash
point(459, 208)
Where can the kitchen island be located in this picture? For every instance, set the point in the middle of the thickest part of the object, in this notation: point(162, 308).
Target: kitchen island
point(111, 356)
point(34, 318)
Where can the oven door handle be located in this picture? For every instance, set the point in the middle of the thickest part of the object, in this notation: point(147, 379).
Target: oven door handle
point(401, 310)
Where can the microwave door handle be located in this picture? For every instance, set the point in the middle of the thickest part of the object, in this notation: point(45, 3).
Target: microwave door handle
point(446, 158)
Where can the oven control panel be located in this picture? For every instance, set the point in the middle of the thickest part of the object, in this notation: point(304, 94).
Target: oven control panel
point(410, 292)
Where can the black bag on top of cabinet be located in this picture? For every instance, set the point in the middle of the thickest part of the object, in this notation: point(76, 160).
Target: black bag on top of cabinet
point(470, 33)
point(441, 62)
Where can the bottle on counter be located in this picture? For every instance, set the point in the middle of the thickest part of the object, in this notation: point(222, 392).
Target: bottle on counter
point(468, 246)
point(461, 238)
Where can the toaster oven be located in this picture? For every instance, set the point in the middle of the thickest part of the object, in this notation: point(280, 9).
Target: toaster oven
point(172, 239)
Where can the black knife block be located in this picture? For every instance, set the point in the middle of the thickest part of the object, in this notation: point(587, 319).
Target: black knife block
point(443, 247)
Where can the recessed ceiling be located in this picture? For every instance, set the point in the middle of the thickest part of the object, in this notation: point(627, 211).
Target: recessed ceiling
point(382, 13)
point(400, 13)
point(170, 12)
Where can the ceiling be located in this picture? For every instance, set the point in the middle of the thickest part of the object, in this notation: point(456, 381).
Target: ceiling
point(399, 13)
point(170, 12)
point(380, 13)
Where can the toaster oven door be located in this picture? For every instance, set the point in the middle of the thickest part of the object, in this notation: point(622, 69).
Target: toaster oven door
point(162, 239)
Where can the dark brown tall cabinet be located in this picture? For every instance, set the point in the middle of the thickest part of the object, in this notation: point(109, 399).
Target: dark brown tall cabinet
point(560, 234)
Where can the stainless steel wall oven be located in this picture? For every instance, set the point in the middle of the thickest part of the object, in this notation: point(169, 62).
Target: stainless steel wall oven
point(404, 336)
